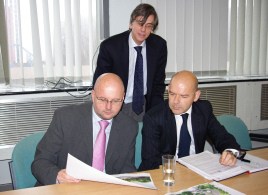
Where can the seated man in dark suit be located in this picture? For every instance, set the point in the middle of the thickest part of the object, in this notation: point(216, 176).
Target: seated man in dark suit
point(77, 130)
point(181, 125)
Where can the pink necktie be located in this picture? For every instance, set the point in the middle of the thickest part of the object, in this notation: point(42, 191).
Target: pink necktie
point(99, 147)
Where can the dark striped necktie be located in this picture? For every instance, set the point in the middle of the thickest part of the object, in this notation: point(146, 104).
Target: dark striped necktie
point(138, 91)
point(185, 138)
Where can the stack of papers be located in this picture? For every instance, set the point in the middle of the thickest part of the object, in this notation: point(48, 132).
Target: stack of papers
point(207, 165)
point(80, 170)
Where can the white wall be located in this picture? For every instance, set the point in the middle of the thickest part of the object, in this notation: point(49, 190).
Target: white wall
point(120, 11)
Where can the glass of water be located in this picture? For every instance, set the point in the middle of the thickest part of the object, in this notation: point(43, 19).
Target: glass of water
point(169, 167)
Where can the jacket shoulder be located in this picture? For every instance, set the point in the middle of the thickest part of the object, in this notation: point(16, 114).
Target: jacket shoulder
point(116, 38)
point(125, 120)
point(74, 109)
point(156, 38)
point(202, 104)
point(159, 111)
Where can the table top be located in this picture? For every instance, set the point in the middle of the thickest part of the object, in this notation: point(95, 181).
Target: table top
point(254, 183)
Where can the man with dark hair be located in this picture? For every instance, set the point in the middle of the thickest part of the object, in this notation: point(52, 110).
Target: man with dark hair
point(139, 57)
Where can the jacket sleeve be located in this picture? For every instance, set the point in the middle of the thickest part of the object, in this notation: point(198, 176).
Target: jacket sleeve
point(158, 83)
point(44, 166)
point(220, 137)
point(103, 62)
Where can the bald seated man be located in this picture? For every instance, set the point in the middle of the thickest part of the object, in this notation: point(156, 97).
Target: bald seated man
point(162, 126)
point(74, 129)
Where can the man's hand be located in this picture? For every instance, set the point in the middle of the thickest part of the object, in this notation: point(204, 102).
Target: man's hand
point(63, 177)
point(228, 158)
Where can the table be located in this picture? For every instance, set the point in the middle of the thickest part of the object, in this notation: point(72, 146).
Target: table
point(255, 183)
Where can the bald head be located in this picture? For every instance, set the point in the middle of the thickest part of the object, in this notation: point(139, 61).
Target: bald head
point(108, 95)
point(182, 91)
point(109, 80)
point(185, 77)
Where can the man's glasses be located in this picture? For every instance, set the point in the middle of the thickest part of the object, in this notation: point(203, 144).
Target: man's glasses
point(103, 100)
point(147, 26)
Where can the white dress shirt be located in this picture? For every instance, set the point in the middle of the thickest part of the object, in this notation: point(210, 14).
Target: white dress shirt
point(178, 119)
point(132, 64)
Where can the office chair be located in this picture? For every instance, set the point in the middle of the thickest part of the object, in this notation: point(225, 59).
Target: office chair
point(138, 147)
point(238, 129)
point(22, 158)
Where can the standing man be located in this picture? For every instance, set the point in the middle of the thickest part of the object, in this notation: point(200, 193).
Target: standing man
point(94, 132)
point(139, 57)
point(181, 125)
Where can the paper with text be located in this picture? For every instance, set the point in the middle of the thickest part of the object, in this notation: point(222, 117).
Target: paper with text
point(207, 165)
point(256, 163)
point(80, 170)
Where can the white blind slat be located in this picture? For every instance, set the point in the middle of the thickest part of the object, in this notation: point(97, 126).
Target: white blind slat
point(69, 46)
point(47, 38)
point(58, 50)
point(37, 57)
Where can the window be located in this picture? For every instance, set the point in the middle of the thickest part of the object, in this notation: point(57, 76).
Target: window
point(48, 40)
point(52, 39)
point(215, 37)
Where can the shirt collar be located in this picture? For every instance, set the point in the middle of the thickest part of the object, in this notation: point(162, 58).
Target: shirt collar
point(189, 111)
point(97, 118)
point(133, 44)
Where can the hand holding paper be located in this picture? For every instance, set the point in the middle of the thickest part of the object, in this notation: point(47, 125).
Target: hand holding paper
point(80, 170)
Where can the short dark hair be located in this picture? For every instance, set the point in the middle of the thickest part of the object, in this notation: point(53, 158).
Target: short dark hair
point(144, 10)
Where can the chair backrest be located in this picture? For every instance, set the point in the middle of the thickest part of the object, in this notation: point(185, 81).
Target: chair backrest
point(138, 147)
point(22, 158)
point(238, 129)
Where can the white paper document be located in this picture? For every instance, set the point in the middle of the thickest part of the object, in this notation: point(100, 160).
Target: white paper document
point(256, 163)
point(80, 170)
point(207, 165)
point(208, 189)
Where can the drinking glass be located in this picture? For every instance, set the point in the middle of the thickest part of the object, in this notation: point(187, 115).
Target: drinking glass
point(168, 166)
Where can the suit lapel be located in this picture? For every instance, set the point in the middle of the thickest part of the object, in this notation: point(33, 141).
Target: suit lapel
point(113, 140)
point(196, 126)
point(170, 127)
point(150, 68)
point(86, 125)
point(124, 55)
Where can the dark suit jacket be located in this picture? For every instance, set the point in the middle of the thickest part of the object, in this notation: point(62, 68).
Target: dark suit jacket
point(71, 131)
point(159, 134)
point(114, 57)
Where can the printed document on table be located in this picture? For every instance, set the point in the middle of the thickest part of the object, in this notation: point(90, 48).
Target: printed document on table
point(256, 163)
point(80, 170)
point(207, 165)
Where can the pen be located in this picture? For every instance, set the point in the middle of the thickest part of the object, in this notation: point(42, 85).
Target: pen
point(242, 154)
point(245, 160)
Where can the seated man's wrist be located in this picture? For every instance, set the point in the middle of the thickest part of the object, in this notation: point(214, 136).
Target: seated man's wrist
point(235, 152)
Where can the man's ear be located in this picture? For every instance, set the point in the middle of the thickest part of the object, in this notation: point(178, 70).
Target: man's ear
point(130, 27)
point(92, 95)
point(197, 95)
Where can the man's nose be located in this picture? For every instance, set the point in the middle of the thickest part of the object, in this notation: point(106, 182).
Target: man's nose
point(109, 105)
point(177, 99)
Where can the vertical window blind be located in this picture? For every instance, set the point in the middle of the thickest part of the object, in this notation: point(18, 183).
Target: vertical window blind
point(215, 37)
point(248, 52)
point(51, 39)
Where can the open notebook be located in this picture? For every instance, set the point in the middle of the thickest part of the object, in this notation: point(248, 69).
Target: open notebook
point(207, 165)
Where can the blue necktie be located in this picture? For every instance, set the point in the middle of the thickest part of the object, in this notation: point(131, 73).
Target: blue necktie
point(138, 94)
point(185, 138)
